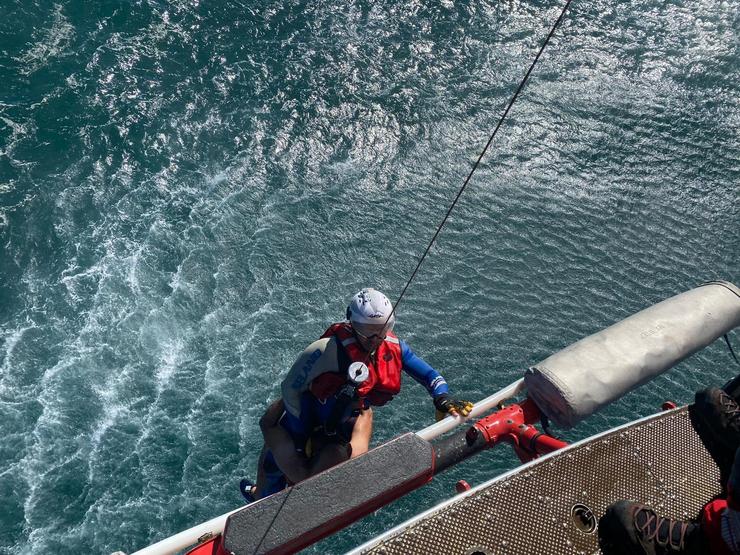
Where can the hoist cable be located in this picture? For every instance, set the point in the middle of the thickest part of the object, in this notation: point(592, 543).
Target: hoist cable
point(480, 157)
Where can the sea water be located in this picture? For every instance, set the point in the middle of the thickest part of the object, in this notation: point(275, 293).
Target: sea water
point(191, 191)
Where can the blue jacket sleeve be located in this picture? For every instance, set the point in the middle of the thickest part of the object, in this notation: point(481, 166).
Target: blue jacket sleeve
point(422, 372)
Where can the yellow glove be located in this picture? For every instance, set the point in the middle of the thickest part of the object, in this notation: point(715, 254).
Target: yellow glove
point(446, 405)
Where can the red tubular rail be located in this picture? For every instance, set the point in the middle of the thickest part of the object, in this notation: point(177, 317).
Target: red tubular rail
point(514, 425)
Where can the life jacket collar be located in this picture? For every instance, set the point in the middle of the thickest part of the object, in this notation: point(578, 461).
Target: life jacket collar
point(384, 365)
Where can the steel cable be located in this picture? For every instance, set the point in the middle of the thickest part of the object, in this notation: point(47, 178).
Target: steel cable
point(480, 157)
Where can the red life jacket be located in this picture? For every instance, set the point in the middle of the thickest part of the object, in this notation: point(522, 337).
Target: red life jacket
point(385, 367)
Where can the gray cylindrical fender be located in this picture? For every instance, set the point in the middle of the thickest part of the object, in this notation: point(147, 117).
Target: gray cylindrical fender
point(599, 369)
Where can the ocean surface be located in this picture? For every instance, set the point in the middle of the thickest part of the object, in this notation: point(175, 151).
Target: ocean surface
point(191, 191)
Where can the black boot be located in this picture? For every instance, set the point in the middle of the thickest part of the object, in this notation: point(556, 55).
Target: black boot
point(630, 528)
point(721, 414)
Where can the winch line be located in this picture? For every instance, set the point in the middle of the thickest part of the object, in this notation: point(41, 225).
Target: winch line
point(272, 522)
point(478, 161)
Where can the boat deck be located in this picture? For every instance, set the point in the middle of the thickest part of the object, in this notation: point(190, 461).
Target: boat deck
point(553, 505)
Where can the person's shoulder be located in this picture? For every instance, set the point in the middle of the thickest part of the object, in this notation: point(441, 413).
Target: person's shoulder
point(325, 345)
point(319, 357)
point(324, 350)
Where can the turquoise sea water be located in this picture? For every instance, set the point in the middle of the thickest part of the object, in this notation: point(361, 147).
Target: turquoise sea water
point(190, 191)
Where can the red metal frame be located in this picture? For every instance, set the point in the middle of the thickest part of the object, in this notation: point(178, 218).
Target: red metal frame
point(212, 546)
point(514, 425)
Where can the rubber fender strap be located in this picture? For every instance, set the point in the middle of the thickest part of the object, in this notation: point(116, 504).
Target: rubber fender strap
point(729, 346)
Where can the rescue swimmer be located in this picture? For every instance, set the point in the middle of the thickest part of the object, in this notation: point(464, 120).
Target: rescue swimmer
point(325, 414)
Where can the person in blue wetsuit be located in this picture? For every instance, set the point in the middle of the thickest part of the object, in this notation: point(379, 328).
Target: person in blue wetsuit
point(325, 414)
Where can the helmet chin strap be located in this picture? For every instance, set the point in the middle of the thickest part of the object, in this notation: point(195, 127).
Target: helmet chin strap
point(363, 344)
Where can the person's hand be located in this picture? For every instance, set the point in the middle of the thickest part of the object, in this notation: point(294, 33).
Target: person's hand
point(447, 405)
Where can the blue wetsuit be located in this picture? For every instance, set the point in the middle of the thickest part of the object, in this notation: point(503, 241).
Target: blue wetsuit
point(314, 413)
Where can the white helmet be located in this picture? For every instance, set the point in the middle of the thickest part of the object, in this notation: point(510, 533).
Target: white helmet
point(370, 313)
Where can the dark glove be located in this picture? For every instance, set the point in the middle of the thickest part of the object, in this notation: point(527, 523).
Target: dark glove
point(445, 404)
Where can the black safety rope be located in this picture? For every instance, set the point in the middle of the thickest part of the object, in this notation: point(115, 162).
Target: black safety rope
point(272, 522)
point(477, 162)
point(729, 346)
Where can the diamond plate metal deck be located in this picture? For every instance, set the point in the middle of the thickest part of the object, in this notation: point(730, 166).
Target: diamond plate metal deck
point(660, 461)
